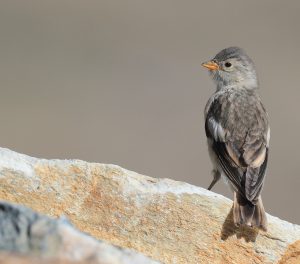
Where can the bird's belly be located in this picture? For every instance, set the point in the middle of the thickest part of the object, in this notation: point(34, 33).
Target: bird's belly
point(227, 182)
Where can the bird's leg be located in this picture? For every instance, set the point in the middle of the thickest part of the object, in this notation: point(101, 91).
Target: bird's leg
point(217, 176)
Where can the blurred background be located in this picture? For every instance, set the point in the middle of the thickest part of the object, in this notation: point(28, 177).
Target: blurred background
point(121, 82)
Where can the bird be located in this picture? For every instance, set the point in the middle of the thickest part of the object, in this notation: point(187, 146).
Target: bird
point(238, 134)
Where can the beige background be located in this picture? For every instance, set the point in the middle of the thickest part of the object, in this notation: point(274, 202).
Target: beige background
point(121, 82)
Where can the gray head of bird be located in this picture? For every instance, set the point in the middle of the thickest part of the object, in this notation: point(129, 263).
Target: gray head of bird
point(232, 67)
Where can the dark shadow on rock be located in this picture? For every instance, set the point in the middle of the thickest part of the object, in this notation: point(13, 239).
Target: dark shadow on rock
point(230, 229)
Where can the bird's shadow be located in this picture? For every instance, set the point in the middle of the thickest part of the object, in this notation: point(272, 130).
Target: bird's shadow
point(230, 229)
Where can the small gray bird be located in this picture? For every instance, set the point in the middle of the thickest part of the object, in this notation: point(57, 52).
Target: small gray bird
point(238, 134)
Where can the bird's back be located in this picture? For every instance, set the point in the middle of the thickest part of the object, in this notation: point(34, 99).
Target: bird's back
point(241, 114)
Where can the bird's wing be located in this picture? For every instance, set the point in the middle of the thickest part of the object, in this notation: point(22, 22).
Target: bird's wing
point(230, 166)
point(255, 156)
point(241, 148)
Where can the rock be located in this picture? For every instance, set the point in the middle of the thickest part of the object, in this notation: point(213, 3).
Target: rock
point(170, 221)
point(33, 238)
point(292, 255)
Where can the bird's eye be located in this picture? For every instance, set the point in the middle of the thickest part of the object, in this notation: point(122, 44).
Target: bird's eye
point(228, 64)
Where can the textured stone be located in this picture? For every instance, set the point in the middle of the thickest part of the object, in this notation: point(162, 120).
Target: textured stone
point(170, 221)
point(33, 238)
point(292, 255)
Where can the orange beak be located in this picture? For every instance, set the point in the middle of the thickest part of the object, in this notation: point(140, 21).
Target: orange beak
point(211, 65)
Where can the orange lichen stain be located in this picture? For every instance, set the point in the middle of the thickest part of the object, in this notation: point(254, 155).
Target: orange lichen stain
point(292, 254)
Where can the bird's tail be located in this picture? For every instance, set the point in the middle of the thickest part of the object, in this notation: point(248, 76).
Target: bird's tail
point(247, 213)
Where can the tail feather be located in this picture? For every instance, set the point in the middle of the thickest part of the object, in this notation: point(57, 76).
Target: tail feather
point(248, 213)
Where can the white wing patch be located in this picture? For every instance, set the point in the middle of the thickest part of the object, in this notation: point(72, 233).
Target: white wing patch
point(268, 136)
point(216, 130)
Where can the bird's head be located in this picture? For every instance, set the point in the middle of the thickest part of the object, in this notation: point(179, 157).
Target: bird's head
point(232, 67)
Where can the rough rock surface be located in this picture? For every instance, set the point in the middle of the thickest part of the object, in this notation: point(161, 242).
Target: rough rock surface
point(292, 255)
point(33, 238)
point(170, 221)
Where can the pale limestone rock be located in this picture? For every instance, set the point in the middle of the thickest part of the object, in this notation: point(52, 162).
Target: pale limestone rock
point(172, 222)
